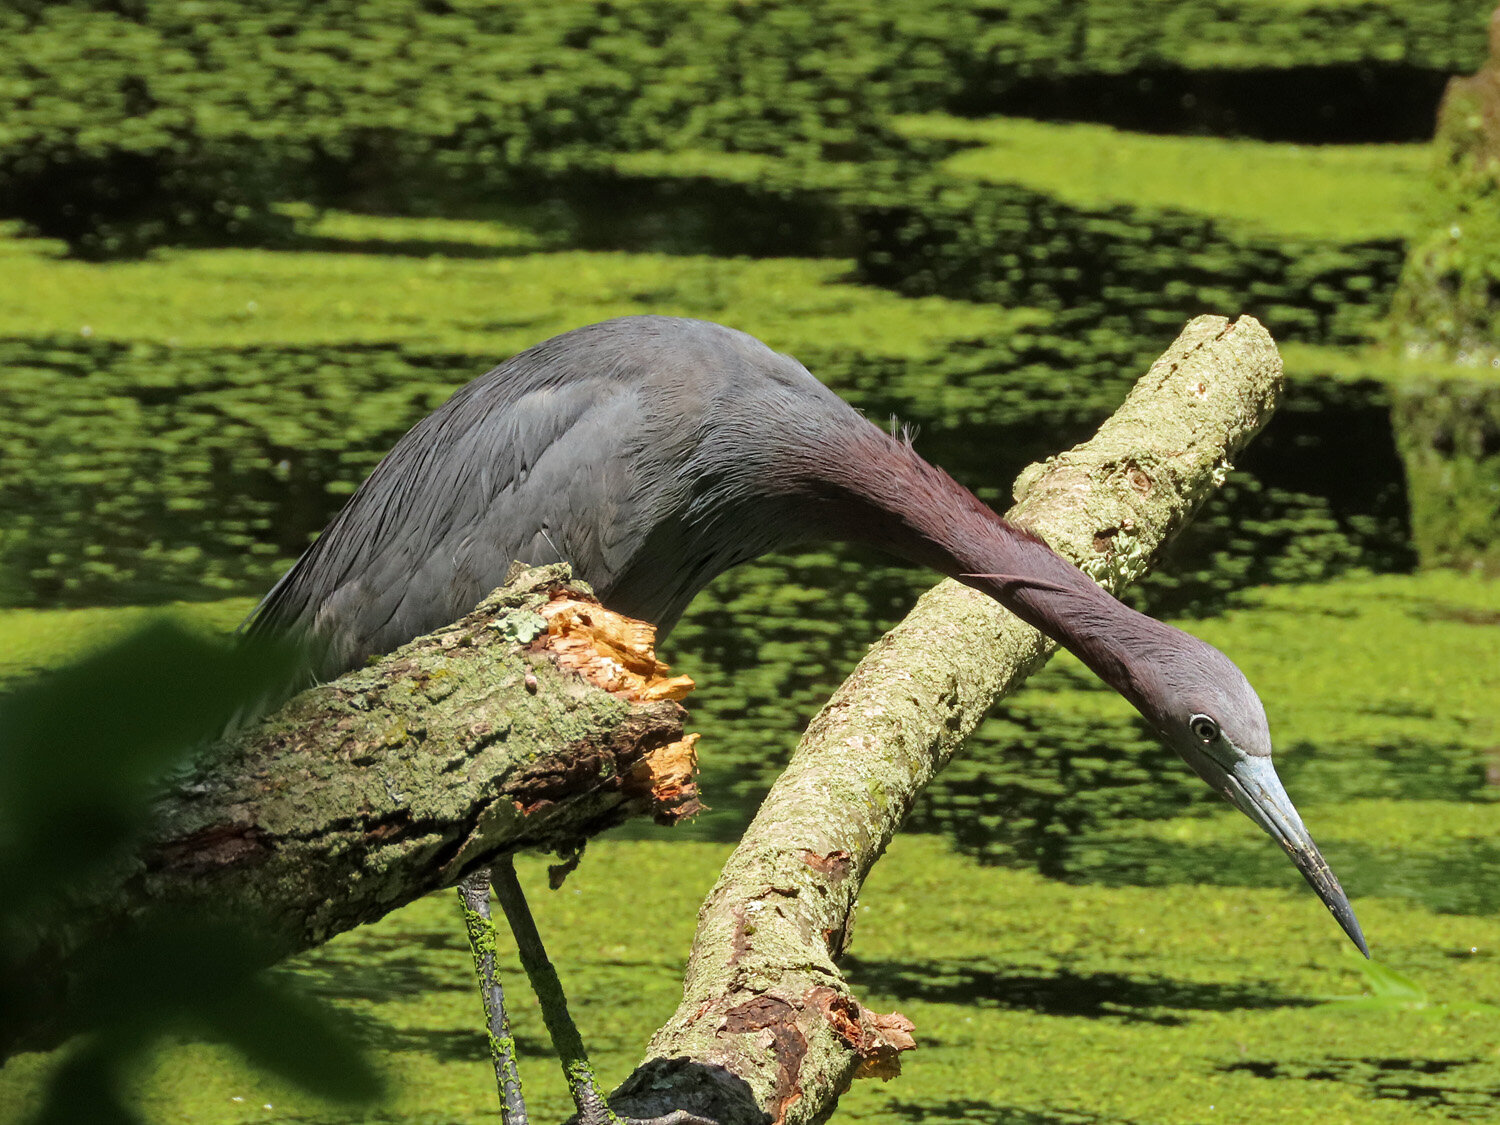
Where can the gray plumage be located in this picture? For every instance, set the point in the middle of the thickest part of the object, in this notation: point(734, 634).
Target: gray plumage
point(649, 452)
point(654, 453)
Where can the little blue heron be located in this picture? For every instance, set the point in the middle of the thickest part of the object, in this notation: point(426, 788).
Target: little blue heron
point(654, 453)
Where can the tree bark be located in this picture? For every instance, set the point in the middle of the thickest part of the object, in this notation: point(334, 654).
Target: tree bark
point(768, 1030)
point(535, 722)
point(540, 719)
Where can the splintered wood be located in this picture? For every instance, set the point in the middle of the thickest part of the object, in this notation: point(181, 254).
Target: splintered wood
point(668, 771)
point(618, 654)
point(615, 652)
point(877, 1039)
point(884, 1038)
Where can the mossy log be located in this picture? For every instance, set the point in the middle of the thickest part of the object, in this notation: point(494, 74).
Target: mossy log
point(768, 1030)
point(538, 720)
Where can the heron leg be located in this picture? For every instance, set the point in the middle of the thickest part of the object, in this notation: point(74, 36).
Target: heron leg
point(592, 1108)
point(474, 894)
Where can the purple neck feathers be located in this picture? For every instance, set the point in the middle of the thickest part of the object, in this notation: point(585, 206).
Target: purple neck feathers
point(915, 510)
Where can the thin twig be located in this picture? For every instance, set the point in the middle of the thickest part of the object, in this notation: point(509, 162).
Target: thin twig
point(592, 1109)
point(474, 895)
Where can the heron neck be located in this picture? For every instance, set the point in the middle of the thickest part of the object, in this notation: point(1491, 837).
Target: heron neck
point(916, 511)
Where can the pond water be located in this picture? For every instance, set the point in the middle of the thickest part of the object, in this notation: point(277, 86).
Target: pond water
point(1081, 932)
point(1184, 943)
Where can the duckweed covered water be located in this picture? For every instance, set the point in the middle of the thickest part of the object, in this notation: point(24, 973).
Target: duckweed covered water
point(1179, 972)
point(1081, 932)
point(1034, 1001)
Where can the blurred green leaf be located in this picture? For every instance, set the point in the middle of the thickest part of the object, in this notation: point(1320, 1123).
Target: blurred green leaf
point(1390, 987)
point(87, 1088)
point(1394, 991)
point(85, 748)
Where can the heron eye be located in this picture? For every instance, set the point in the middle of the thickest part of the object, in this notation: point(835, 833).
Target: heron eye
point(1205, 728)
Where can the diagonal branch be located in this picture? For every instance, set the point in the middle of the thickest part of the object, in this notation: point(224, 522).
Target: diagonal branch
point(768, 1028)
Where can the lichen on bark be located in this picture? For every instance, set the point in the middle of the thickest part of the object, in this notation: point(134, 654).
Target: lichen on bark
point(492, 734)
point(764, 1030)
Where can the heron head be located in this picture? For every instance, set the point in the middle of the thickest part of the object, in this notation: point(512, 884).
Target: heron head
point(1207, 711)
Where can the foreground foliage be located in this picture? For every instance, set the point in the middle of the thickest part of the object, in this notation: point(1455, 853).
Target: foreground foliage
point(151, 697)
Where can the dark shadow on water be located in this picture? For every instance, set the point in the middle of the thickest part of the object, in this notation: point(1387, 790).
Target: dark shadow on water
point(377, 968)
point(1466, 615)
point(971, 1111)
point(394, 979)
point(1433, 1084)
point(606, 209)
point(445, 1044)
point(1365, 102)
point(1133, 999)
point(408, 247)
point(374, 1031)
point(530, 228)
point(1463, 878)
point(440, 1044)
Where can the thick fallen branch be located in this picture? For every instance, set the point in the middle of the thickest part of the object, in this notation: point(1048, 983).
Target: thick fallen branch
point(535, 722)
point(768, 1029)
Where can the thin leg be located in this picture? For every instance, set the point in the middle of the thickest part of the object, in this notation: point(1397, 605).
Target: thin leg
point(592, 1109)
point(474, 894)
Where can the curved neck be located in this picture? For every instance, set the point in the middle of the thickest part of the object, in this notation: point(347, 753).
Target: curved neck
point(917, 511)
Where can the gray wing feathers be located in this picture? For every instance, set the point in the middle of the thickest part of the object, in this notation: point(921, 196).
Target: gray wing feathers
point(486, 479)
point(588, 448)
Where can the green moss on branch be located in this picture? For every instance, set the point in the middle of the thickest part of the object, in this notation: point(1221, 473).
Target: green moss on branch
point(365, 793)
point(767, 1020)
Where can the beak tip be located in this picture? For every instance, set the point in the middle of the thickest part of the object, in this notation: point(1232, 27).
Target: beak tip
point(1348, 923)
point(1252, 786)
point(1359, 943)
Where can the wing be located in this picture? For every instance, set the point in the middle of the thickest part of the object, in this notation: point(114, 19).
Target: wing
point(649, 452)
point(530, 462)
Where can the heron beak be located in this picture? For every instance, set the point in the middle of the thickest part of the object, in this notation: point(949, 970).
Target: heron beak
point(1251, 785)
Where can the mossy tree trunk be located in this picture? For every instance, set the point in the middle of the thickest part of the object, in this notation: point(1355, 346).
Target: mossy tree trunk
point(537, 721)
point(768, 1029)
